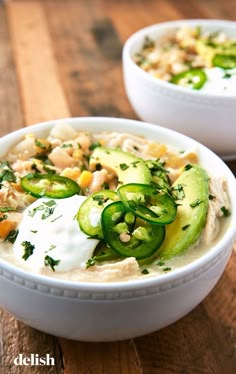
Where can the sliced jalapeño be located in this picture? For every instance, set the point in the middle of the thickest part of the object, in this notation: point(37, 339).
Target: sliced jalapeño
point(224, 61)
point(148, 203)
point(140, 240)
point(193, 78)
point(49, 185)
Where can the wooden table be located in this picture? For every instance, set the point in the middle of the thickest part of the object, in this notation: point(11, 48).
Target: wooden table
point(62, 58)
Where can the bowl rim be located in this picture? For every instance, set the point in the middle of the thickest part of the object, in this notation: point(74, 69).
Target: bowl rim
point(186, 272)
point(177, 90)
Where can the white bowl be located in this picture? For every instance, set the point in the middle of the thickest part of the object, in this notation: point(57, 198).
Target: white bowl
point(208, 118)
point(121, 310)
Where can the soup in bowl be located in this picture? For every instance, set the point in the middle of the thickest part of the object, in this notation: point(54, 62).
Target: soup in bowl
point(110, 217)
point(181, 75)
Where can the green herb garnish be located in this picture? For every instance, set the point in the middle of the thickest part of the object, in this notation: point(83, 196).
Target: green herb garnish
point(49, 261)
point(90, 262)
point(188, 167)
point(211, 197)
point(6, 209)
point(195, 203)
point(39, 144)
point(124, 166)
point(225, 211)
point(178, 192)
point(11, 237)
point(94, 145)
point(100, 199)
point(28, 249)
point(4, 216)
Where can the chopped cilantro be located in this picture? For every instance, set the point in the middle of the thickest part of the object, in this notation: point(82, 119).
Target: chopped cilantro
point(134, 163)
point(195, 203)
point(166, 269)
point(188, 167)
point(11, 237)
point(185, 227)
point(94, 145)
point(86, 157)
point(48, 208)
point(49, 261)
point(39, 144)
point(225, 211)
point(66, 145)
point(28, 249)
point(90, 262)
point(98, 167)
point(124, 166)
point(160, 263)
point(51, 247)
point(48, 169)
point(145, 271)
point(211, 197)
point(34, 167)
point(4, 216)
point(105, 185)
point(6, 209)
point(148, 43)
point(178, 192)
point(53, 220)
point(100, 199)
point(6, 172)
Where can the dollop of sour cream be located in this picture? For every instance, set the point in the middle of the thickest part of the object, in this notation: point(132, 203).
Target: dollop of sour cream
point(220, 81)
point(49, 235)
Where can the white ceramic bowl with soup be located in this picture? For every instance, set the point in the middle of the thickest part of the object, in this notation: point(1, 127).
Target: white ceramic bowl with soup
point(115, 308)
point(158, 54)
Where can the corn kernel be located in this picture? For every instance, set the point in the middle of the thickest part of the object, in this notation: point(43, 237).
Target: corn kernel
point(85, 178)
point(77, 155)
point(72, 173)
point(157, 150)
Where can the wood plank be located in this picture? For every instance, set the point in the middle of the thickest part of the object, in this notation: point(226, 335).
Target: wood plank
point(223, 10)
point(100, 358)
point(89, 51)
point(130, 16)
point(15, 337)
point(42, 95)
point(10, 113)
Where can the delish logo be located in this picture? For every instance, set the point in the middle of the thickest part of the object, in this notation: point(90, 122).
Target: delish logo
point(34, 360)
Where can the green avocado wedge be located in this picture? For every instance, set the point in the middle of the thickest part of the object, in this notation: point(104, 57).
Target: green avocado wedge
point(192, 196)
point(128, 168)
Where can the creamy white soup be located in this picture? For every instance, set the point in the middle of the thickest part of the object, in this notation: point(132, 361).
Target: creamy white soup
point(106, 206)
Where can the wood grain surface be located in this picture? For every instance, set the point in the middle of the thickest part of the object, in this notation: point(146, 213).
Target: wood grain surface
point(60, 58)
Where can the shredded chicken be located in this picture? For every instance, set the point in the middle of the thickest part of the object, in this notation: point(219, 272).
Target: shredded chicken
point(219, 200)
point(118, 270)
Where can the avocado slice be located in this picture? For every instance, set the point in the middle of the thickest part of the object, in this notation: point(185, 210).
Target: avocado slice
point(205, 51)
point(128, 168)
point(193, 196)
point(208, 52)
